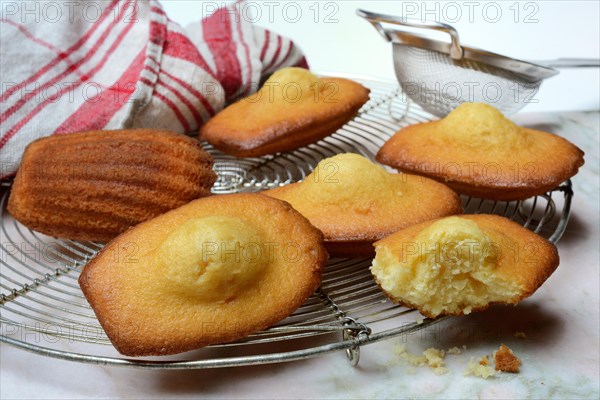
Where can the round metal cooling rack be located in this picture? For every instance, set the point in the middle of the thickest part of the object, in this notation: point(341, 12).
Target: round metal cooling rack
point(42, 309)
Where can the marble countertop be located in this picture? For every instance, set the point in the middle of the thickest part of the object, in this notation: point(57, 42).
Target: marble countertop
point(560, 353)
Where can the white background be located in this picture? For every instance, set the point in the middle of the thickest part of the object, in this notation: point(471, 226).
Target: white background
point(335, 39)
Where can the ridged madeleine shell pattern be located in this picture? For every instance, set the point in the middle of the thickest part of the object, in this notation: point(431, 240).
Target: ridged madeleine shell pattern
point(94, 185)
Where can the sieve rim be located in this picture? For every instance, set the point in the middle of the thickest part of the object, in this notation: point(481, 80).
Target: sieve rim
point(527, 70)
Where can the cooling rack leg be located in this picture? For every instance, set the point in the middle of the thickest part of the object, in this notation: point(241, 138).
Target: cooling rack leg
point(353, 353)
point(357, 336)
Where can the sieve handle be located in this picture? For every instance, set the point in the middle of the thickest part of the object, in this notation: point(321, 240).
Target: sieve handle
point(456, 51)
point(570, 63)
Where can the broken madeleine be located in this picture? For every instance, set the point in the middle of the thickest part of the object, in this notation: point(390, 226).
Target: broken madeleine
point(292, 109)
point(356, 202)
point(477, 151)
point(460, 264)
point(212, 271)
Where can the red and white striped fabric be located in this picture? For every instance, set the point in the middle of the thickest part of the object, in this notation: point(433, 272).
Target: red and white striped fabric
point(127, 65)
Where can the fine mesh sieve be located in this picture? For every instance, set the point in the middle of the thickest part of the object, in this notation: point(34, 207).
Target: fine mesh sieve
point(439, 75)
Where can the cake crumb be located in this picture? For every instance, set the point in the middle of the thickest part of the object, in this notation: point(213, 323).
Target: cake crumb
point(441, 370)
point(415, 360)
point(435, 357)
point(432, 357)
point(477, 369)
point(399, 349)
point(505, 360)
point(520, 335)
point(412, 359)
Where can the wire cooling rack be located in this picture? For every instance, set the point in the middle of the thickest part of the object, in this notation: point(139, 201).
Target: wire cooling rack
point(42, 309)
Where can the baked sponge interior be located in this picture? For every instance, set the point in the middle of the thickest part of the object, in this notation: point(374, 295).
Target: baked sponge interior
point(450, 267)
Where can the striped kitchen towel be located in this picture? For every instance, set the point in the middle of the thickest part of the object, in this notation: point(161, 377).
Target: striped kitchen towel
point(74, 66)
